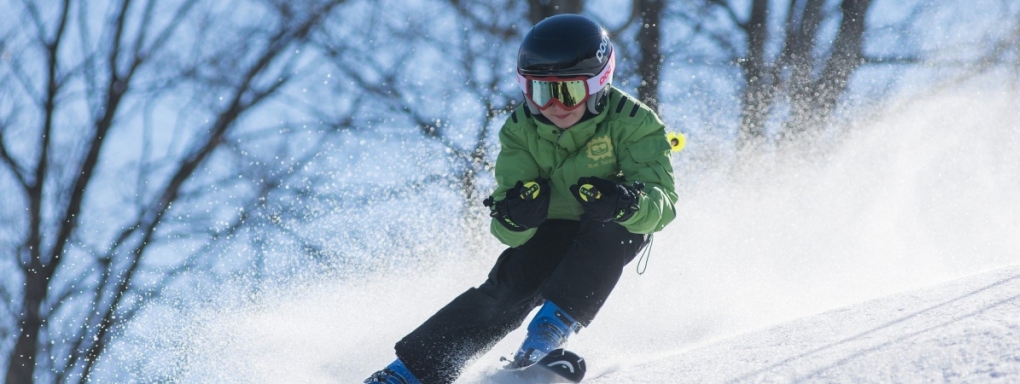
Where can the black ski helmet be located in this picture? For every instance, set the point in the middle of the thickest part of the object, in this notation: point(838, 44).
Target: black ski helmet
point(568, 45)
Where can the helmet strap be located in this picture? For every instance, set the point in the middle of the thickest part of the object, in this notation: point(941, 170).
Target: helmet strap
point(532, 107)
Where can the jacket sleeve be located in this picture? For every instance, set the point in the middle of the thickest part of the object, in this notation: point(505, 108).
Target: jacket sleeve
point(645, 158)
point(514, 162)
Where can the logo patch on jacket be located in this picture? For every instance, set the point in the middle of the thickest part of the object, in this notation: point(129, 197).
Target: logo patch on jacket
point(600, 152)
point(600, 148)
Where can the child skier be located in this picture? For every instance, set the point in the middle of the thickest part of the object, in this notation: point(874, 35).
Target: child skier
point(583, 178)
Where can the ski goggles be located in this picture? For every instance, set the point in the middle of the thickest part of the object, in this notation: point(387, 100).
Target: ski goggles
point(567, 92)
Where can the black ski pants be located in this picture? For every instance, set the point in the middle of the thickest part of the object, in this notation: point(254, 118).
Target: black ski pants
point(575, 264)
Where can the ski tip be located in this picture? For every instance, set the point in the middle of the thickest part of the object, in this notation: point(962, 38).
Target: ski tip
point(566, 364)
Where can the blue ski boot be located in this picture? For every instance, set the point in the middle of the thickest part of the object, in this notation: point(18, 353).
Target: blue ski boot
point(395, 373)
point(548, 331)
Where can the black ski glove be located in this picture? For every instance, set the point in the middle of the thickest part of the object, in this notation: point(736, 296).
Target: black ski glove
point(526, 205)
point(605, 200)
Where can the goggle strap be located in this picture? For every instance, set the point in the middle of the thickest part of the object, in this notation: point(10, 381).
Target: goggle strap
point(597, 83)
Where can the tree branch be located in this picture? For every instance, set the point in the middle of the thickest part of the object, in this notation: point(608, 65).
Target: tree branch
point(732, 14)
point(245, 96)
point(11, 163)
point(116, 88)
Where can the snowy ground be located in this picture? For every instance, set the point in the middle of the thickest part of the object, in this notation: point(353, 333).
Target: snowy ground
point(967, 330)
point(963, 331)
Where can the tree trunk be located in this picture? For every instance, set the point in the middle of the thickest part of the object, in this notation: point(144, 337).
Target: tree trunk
point(799, 59)
point(810, 85)
point(756, 98)
point(847, 56)
point(22, 362)
point(650, 63)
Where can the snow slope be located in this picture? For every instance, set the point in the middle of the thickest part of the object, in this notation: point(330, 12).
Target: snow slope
point(967, 330)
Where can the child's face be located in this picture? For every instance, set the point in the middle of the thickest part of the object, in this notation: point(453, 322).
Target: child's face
point(563, 118)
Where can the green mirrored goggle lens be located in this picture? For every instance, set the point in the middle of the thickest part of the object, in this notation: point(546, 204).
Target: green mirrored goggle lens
point(569, 93)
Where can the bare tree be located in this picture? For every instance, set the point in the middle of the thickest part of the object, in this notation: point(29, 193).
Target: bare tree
point(814, 97)
point(98, 185)
point(799, 83)
point(448, 79)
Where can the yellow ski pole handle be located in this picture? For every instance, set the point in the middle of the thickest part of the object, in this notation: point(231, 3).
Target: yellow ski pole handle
point(589, 192)
point(531, 190)
point(677, 141)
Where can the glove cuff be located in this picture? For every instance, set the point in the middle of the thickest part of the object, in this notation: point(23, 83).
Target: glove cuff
point(626, 204)
point(499, 211)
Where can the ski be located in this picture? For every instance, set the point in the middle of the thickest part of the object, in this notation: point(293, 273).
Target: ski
point(558, 366)
point(565, 364)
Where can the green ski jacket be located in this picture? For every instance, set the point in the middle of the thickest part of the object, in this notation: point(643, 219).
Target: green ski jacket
point(625, 143)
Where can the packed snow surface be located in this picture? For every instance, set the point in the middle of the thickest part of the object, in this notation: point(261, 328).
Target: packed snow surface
point(967, 330)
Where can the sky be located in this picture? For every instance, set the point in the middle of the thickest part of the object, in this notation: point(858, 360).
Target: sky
point(842, 265)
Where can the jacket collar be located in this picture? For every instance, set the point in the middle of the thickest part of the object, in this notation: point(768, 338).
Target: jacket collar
point(573, 138)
